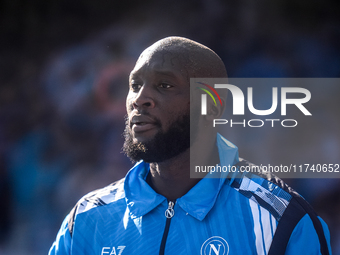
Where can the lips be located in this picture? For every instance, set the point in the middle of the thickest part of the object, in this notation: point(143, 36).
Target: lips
point(142, 123)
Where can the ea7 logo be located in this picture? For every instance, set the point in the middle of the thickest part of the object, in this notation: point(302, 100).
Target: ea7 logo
point(215, 245)
point(112, 250)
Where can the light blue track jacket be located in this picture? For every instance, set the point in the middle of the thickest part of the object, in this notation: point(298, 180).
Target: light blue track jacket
point(218, 216)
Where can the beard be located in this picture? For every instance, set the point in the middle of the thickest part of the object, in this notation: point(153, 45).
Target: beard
point(163, 146)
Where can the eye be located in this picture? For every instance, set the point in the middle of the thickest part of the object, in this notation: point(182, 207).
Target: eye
point(164, 85)
point(135, 86)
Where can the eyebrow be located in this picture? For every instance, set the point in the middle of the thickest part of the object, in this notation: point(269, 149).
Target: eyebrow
point(159, 72)
point(167, 73)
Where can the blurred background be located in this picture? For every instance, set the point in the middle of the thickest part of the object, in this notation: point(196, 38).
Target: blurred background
point(64, 69)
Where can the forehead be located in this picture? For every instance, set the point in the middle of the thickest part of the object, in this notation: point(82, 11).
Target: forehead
point(163, 62)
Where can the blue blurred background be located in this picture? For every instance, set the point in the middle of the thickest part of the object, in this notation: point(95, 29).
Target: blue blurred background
point(64, 70)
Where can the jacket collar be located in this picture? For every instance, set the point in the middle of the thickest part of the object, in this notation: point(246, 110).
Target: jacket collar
point(141, 198)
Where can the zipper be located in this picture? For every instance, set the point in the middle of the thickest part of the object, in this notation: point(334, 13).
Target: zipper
point(169, 213)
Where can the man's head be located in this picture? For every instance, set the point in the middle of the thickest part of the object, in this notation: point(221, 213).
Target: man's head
point(158, 103)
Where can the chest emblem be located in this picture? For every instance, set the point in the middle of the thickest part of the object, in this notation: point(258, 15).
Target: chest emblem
point(215, 246)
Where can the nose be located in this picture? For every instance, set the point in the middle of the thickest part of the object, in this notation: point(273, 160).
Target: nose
point(143, 99)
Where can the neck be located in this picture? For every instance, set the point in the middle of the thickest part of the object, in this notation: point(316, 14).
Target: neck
point(171, 178)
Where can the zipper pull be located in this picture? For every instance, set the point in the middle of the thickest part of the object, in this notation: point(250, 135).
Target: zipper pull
point(170, 212)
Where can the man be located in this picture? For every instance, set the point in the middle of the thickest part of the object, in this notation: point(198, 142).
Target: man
point(158, 208)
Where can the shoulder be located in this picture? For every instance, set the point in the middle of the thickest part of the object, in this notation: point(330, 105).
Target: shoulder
point(289, 208)
point(265, 189)
point(101, 197)
point(97, 198)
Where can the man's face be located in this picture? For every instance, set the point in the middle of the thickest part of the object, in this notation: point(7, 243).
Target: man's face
point(158, 107)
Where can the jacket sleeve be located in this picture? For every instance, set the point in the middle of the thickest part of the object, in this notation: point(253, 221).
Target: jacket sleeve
point(62, 244)
point(305, 240)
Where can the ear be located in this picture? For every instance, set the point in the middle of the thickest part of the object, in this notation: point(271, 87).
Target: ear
point(215, 111)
